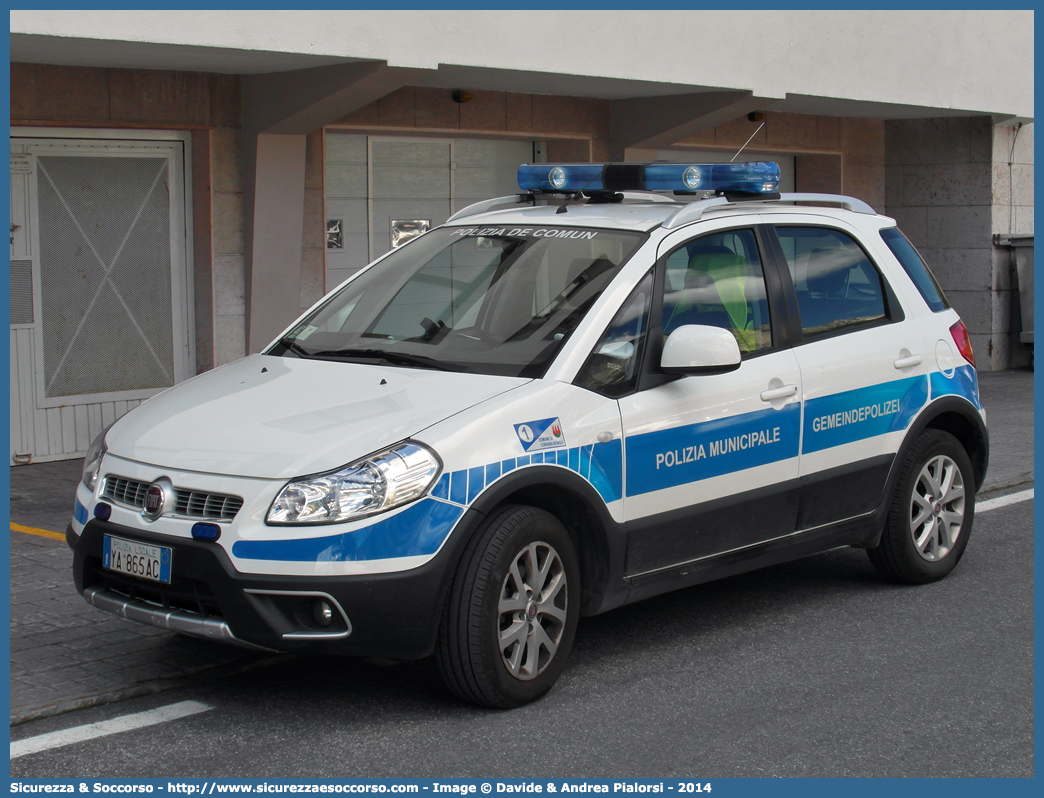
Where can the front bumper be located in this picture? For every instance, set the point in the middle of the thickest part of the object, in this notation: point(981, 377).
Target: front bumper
point(394, 615)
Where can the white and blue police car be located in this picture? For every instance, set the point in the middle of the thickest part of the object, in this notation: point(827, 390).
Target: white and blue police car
point(554, 404)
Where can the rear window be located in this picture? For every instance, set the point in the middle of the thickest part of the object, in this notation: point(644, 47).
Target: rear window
point(915, 267)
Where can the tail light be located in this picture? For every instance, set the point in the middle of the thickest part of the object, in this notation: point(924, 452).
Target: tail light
point(963, 341)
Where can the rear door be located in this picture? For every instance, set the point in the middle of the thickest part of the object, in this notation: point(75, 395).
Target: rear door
point(863, 367)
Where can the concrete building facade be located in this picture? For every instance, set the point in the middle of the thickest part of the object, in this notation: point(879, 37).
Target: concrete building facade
point(296, 146)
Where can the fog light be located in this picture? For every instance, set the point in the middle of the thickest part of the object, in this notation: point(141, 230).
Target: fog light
point(102, 511)
point(323, 612)
point(203, 531)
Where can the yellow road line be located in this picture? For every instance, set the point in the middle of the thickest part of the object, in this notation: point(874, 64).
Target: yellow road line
point(44, 533)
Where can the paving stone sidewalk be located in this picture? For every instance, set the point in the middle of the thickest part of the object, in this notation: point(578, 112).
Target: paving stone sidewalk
point(64, 653)
point(67, 655)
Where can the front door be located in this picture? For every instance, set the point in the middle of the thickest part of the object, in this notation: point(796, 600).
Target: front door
point(99, 317)
point(712, 460)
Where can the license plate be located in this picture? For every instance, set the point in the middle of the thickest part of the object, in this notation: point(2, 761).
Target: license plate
point(134, 558)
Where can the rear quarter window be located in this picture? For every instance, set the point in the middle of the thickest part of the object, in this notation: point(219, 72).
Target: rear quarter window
point(915, 266)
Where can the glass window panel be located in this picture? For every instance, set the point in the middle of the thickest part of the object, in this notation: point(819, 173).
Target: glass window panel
point(837, 286)
point(491, 301)
point(717, 280)
point(918, 270)
point(612, 368)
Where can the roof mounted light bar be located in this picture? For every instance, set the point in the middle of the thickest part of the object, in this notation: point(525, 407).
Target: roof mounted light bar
point(760, 177)
point(690, 212)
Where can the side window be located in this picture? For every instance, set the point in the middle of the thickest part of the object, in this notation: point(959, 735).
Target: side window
point(915, 267)
point(612, 368)
point(837, 285)
point(717, 280)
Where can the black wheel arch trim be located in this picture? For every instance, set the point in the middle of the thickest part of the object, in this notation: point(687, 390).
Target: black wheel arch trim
point(978, 453)
point(958, 405)
point(600, 540)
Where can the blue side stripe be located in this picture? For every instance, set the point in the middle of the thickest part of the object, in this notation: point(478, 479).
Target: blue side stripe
point(600, 464)
point(79, 512)
point(964, 382)
point(476, 482)
point(441, 489)
point(419, 529)
point(605, 468)
point(658, 460)
point(680, 455)
point(492, 472)
point(863, 413)
point(459, 487)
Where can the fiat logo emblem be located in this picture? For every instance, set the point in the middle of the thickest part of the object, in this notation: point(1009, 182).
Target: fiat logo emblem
point(155, 500)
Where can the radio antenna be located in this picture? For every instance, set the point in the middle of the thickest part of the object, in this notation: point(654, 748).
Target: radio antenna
point(752, 135)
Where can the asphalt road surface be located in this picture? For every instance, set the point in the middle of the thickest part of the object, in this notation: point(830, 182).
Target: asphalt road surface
point(815, 668)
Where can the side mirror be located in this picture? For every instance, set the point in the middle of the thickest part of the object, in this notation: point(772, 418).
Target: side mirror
point(699, 349)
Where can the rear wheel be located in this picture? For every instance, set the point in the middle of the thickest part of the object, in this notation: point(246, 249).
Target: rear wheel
point(931, 514)
point(510, 619)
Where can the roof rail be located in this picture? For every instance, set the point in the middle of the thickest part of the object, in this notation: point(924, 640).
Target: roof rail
point(849, 203)
point(692, 212)
point(648, 196)
point(488, 205)
point(531, 197)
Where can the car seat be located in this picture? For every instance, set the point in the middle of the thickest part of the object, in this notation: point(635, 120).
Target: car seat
point(715, 294)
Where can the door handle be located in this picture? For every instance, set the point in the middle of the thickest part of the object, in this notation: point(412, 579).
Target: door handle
point(778, 393)
point(908, 362)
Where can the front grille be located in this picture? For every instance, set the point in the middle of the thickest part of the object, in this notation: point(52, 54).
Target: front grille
point(127, 492)
point(194, 504)
point(187, 504)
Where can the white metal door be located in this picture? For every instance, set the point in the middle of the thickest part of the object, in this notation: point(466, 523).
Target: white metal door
point(99, 312)
point(376, 183)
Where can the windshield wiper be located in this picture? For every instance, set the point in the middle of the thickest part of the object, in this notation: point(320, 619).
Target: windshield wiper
point(294, 347)
point(393, 358)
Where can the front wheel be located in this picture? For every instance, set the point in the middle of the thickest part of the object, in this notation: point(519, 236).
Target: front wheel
point(932, 510)
point(512, 613)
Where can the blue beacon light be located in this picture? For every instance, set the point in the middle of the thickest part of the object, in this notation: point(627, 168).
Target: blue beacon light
point(204, 531)
point(760, 177)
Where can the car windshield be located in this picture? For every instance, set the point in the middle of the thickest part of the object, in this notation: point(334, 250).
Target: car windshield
point(485, 300)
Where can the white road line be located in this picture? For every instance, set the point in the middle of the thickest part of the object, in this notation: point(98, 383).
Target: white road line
point(43, 742)
point(1004, 501)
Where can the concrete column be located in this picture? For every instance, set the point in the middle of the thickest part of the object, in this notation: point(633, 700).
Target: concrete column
point(817, 174)
point(279, 111)
point(946, 186)
point(278, 213)
point(202, 251)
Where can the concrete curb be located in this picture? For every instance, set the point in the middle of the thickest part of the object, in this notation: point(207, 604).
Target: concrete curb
point(147, 688)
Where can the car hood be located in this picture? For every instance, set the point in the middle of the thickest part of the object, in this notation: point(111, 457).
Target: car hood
point(277, 418)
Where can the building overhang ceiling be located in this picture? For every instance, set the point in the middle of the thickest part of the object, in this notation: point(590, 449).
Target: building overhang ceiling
point(69, 51)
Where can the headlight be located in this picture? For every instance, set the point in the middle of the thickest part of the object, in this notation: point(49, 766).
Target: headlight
point(92, 462)
point(377, 483)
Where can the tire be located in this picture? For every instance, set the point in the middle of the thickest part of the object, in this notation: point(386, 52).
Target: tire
point(932, 511)
point(498, 645)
